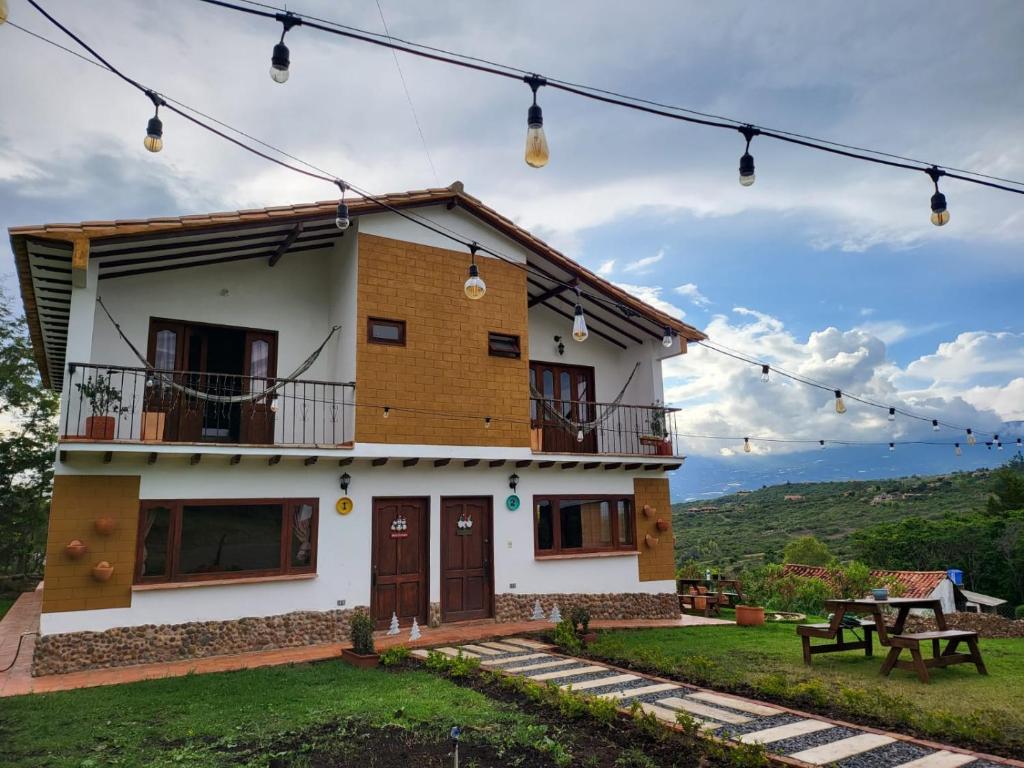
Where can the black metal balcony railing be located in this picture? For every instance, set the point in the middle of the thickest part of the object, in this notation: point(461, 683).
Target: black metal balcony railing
point(109, 402)
point(576, 426)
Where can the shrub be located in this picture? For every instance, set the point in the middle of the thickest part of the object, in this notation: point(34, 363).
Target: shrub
point(361, 631)
point(565, 637)
point(580, 618)
point(1018, 612)
point(389, 657)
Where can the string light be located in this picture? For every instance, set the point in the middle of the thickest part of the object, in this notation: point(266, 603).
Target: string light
point(154, 140)
point(971, 439)
point(765, 370)
point(666, 339)
point(579, 322)
point(280, 60)
point(536, 142)
point(487, 422)
point(746, 445)
point(474, 286)
point(3, 11)
point(579, 436)
point(999, 443)
point(822, 444)
point(892, 414)
point(840, 405)
point(341, 219)
point(940, 216)
point(387, 411)
point(747, 160)
point(892, 447)
point(1018, 443)
point(957, 449)
point(935, 425)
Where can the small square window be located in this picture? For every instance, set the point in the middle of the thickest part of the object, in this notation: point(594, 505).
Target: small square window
point(382, 331)
point(502, 345)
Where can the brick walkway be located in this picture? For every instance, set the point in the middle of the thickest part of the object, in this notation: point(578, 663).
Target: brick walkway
point(797, 737)
point(24, 617)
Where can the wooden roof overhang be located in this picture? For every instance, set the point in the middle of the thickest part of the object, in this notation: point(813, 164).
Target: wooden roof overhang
point(51, 259)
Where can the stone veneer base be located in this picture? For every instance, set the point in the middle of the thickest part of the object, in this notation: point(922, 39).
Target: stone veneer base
point(152, 643)
point(618, 605)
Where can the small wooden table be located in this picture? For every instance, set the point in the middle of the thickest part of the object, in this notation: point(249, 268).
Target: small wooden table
point(903, 605)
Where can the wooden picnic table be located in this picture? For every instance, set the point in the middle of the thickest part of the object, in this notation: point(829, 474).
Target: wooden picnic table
point(903, 605)
point(712, 593)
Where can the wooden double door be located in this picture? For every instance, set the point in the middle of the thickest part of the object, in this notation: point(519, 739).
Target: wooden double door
point(567, 391)
point(400, 563)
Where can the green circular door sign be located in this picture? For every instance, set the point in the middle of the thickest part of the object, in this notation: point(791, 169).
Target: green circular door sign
point(512, 502)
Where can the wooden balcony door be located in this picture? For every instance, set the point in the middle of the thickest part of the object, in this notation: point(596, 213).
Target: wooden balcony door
point(569, 390)
point(211, 359)
point(467, 585)
point(399, 575)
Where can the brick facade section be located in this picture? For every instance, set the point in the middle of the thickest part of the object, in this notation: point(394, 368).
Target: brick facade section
point(78, 501)
point(658, 562)
point(444, 365)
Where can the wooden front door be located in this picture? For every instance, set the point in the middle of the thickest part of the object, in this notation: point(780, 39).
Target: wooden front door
point(569, 391)
point(467, 586)
point(399, 583)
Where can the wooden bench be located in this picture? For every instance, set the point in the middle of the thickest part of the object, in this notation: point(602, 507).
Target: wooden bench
point(833, 630)
point(701, 599)
point(948, 656)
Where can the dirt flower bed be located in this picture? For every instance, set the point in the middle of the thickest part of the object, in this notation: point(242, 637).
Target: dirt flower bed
point(985, 624)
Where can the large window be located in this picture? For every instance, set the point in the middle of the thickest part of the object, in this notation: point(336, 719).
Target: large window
point(219, 539)
point(578, 524)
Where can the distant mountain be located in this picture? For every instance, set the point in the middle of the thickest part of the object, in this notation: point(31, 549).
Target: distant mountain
point(752, 526)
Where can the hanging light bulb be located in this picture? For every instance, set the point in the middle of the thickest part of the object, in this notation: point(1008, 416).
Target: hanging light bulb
point(666, 339)
point(579, 322)
point(764, 373)
point(487, 422)
point(280, 60)
point(935, 425)
point(940, 215)
point(892, 414)
point(474, 286)
point(971, 439)
point(579, 436)
point(273, 405)
point(3, 11)
point(536, 142)
point(957, 449)
point(840, 405)
point(892, 447)
point(822, 444)
point(747, 160)
point(1019, 443)
point(387, 411)
point(154, 140)
point(746, 445)
point(341, 219)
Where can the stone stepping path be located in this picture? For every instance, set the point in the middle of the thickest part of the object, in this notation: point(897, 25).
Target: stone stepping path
point(811, 740)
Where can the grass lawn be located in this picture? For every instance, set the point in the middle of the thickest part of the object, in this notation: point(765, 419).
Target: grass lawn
point(245, 718)
point(959, 705)
point(5, 605)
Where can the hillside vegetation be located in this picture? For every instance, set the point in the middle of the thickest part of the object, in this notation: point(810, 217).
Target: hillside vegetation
point(749, 528)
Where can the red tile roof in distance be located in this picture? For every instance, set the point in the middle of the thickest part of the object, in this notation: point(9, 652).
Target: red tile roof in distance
point(915, 583)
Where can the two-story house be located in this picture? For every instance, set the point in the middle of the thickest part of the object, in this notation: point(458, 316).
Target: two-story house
point(268, 421)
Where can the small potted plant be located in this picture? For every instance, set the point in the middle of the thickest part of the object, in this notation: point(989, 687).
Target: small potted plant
point(749, 615)
point(657, 436)
point(104, 400)
point(362, 653)
point(580, 618)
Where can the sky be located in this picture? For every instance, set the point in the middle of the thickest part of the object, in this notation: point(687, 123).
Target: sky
point(825, 266)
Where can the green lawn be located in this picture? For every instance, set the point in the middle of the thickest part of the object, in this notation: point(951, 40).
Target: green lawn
point(240, 718)
point(5, 605)
point(959, 705)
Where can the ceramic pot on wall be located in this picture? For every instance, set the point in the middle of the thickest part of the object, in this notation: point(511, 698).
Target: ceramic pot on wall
point(105, 525)
point(75, 549)
point(102, 571)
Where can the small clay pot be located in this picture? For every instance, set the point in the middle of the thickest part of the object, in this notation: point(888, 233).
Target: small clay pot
point(102, 571)
point(75, 549)
point(663, 525)
point(651, 541)
point(105, 525)
point(647, 510)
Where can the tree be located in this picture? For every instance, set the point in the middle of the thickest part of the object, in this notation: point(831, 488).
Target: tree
point(28, 434)
point(807, 550)
point(1008, 488)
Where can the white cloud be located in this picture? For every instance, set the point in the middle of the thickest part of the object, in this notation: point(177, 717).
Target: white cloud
point(974, 380)
point(690, 291)
point(652, 295)
point(642, 266)
point(606, 268)
point(891, 331)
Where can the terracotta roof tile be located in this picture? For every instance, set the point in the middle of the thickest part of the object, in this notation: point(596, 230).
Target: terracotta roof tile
point(914, 583)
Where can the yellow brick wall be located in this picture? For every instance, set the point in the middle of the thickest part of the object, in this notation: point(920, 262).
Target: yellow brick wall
point(78, 501)
point(655, 563)
point(444, 365)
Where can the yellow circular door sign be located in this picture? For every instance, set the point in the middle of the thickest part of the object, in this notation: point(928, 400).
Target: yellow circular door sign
point(344, 505)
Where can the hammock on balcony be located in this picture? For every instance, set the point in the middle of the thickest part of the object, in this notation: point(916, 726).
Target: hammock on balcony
point(166, 379)
point(586, 427)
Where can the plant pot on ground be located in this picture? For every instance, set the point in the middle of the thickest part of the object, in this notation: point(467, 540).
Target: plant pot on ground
point(362, 653)
point(749, 615)
point(105, 405)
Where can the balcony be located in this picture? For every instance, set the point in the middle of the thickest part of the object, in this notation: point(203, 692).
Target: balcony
point(607, 428)
point(117, 403)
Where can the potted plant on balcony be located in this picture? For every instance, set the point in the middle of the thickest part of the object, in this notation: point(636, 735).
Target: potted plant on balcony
point(362, 653)
point(657, 436)
point(104, 400)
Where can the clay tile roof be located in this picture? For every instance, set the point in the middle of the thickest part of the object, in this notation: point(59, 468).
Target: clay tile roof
point(914, 583)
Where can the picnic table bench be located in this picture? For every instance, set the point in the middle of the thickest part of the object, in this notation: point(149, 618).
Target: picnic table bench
point(893, 636)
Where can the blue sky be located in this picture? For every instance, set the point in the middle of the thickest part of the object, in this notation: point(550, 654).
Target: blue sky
point(825, 265)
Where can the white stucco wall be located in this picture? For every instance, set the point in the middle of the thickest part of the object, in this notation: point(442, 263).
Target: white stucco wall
point(343, 559)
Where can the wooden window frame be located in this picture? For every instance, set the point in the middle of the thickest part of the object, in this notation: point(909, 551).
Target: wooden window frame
point(513, 338)
point(176, 507)
point(556, 500)
point(399, 324)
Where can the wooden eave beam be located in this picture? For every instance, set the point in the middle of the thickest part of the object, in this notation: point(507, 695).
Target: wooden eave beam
point(545, 464)
point(524, 463)
point(310, 461)
point(282, 249)
point(410, 462)
point(151, 459)
point(542, 297)
point(496, 463)
point(276, 459)
point(613, 465)
point(442, 462)
point(671, 467)
point(237, 458)
point(379, 462)
point(570, 464)
point(592, 465)
point(108, 457)
point(652, 466)
point(631, 467)
point(345, 462)
point(470, 462)
point(195, 458)
point(80, 262)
